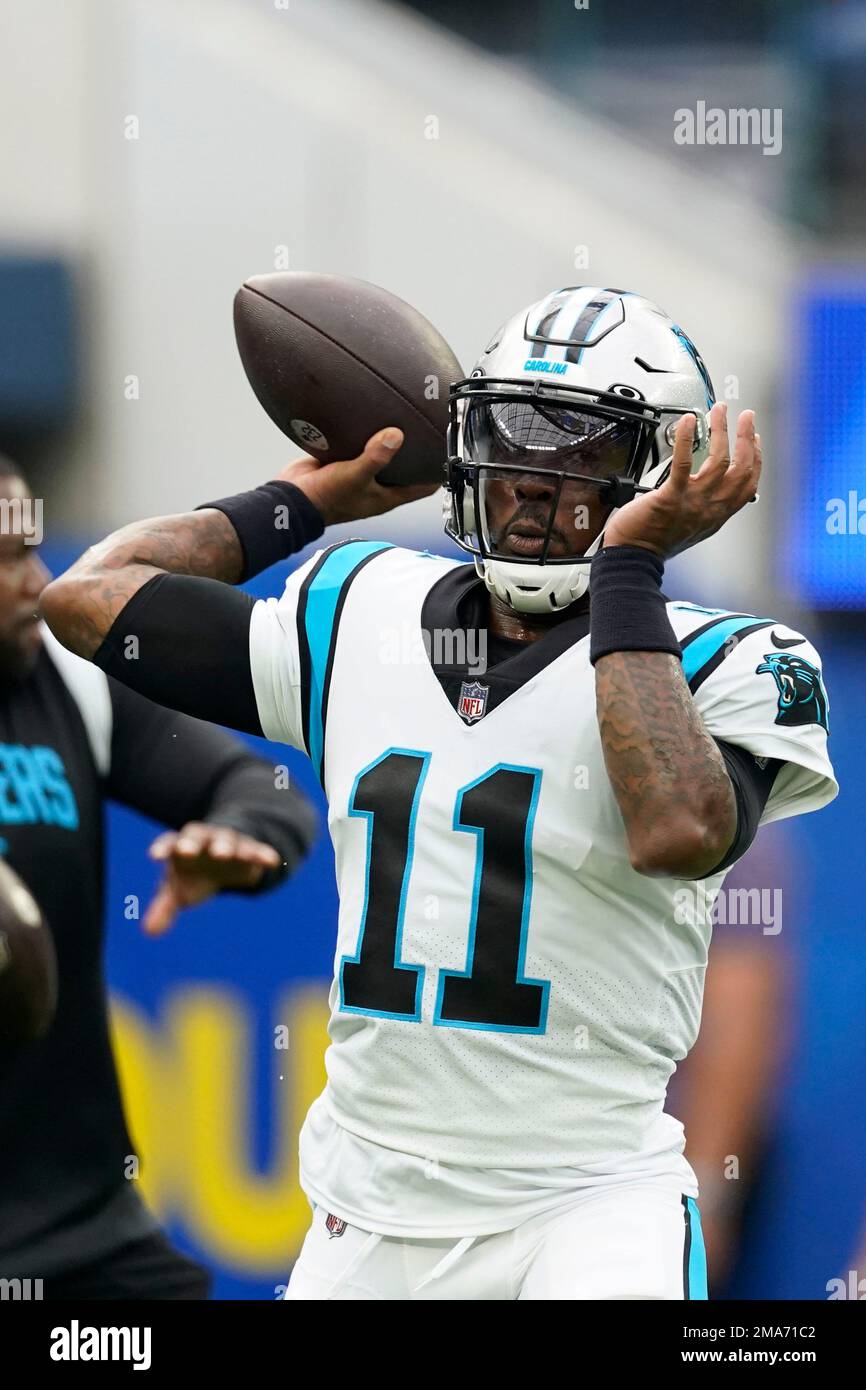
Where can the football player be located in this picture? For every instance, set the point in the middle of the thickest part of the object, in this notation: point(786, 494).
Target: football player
point(527, 848)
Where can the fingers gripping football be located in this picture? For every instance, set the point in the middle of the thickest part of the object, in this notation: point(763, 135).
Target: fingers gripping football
point(349, 491)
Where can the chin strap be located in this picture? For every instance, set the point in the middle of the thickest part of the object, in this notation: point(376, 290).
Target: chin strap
point(552, 587)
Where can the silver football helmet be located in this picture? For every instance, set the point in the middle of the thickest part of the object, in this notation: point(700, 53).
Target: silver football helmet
point(572, 406)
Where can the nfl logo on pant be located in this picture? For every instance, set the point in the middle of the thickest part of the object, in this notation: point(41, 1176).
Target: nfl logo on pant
point(472, 704)
point(335, 1225)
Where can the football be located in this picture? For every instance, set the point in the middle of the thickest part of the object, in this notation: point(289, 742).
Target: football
point(333, 360)
point(28, 965)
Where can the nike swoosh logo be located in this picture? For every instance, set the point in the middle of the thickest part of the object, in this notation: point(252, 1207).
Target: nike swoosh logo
point(789, 642)
point(662, 371)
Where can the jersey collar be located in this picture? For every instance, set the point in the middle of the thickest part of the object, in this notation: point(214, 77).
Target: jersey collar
point(459, 603)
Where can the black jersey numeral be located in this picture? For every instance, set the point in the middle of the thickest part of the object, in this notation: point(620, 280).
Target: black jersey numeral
point(375, 980)
point(492, 992)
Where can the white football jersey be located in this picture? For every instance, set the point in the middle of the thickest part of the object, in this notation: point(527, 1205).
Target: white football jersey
point(509, 993)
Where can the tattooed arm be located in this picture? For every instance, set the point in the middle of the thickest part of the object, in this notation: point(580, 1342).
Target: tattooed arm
point(81, 606)
point(668, 775)
point(670, 778)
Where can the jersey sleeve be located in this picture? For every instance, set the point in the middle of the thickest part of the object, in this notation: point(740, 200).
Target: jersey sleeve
point(276, 659)
point(183, 641)
point(292, 644)
point(760, 686)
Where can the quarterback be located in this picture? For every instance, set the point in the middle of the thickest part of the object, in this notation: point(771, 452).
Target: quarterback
point(515, 975)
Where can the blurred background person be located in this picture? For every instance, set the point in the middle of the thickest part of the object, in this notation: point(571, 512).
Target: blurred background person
point(70, 1213)
point(725, 1091)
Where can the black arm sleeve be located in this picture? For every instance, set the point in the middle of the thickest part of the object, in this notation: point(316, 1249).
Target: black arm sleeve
point(184, 642)
point(752, 786)
point(254, 515)
point(176, 769)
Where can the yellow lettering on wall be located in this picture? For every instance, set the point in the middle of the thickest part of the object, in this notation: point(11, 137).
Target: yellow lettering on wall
point(147, 1085)
point(187, 1082)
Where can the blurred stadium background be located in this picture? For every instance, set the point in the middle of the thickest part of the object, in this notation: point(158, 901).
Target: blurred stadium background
point(469, 158)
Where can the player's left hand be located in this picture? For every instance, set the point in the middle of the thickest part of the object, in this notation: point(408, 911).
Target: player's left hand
point(687, 508)
point(201, 860)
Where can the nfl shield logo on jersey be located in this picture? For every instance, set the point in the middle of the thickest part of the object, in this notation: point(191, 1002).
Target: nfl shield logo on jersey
point(472, 704)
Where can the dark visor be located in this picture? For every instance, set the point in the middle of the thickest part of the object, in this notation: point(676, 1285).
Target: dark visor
point(526, 434)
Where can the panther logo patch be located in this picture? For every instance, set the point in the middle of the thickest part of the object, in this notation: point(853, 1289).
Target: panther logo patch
point(802, 697)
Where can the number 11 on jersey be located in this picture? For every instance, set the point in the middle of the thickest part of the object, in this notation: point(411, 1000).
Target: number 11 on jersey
point(492, 993)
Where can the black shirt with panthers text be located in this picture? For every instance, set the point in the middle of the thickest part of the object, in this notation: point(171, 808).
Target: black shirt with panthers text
point(71, 737)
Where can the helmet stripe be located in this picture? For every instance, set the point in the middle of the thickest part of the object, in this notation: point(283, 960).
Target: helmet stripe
point(544, 320)
point(573, 315)
point(594, 311)
point(557, 320)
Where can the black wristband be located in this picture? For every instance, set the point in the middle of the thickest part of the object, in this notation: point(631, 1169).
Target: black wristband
point(627, 612)
point(272, 521)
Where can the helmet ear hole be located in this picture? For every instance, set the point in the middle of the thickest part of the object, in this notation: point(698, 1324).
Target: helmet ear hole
point(629, 393)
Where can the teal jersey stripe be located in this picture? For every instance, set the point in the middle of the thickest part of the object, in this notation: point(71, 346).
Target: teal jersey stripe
point(323, 601)
point(698, 652)
point(697, 1254)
